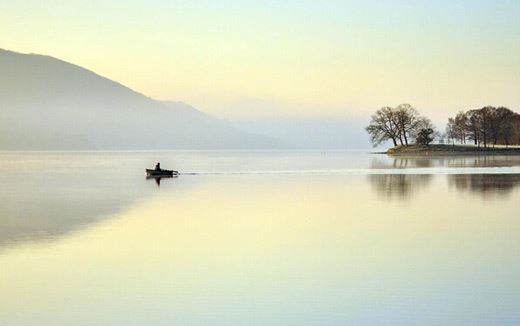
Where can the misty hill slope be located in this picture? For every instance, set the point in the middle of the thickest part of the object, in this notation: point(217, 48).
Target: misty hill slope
point(312, 133)
point(46, 103)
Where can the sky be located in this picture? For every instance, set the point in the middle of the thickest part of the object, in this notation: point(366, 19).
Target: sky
point(283, 59)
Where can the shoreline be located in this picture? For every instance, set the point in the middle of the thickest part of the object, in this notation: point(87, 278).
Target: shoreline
point(449, 150)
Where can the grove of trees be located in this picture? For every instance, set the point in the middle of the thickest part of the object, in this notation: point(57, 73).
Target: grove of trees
point(488, 126)
point(401, 125)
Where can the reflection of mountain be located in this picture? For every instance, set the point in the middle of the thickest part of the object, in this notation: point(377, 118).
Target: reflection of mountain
point(398, 186)
point(40, 208)
point(44, 196)
point(485, 184)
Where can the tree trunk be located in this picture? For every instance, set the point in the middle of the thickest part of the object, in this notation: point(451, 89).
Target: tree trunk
point(395, 143)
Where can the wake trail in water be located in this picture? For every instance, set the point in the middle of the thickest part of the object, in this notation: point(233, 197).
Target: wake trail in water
point(439, 170)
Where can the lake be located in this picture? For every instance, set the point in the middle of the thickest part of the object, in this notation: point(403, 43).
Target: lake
point(258, 238)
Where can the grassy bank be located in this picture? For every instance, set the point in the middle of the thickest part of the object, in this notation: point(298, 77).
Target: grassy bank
point(438, 149)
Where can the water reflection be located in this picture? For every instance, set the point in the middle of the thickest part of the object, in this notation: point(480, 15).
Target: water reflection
point(389, 162)
point(50, 195)
point(399, 186)
point(272, 249)
point(158, 179)
point(277, 250)
point(31, 212)
point(485, 184)
point(403, 186)
point(402, 162)
point(45, 196)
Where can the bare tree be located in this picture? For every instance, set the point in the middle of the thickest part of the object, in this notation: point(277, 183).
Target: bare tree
point(474, 127)
point(458, 128)
point(488, 125)
point(398, 124)
point(461, 126)
point(383, 127)
point(451, 131)
point(478, 125)
point(406, 118)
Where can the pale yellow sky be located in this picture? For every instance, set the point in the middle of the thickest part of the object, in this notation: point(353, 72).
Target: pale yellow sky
point(245, 59)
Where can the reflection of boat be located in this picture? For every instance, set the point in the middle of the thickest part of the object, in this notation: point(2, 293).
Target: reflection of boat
point(149, 177)
point(161, 173)
point(158, 178)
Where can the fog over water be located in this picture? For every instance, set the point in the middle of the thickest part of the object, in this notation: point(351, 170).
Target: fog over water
point(262, 238)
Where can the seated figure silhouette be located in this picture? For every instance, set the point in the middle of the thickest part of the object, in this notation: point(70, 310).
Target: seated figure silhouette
point(158, 166)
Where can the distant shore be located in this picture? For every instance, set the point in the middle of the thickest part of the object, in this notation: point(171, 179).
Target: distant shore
point(438, 149)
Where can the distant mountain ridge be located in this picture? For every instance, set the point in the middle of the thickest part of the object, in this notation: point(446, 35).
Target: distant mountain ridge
point(47, 103)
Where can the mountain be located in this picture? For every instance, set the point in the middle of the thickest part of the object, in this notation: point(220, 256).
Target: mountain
point(50, 104)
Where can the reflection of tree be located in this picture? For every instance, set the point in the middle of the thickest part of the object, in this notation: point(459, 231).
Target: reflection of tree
point(402, 163)
point(398, 186)
point(403, 185)
point(481, 161)
point(460, 161)
point(485, 184)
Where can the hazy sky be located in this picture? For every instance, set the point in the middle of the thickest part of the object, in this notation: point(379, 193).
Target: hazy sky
point(246, 59)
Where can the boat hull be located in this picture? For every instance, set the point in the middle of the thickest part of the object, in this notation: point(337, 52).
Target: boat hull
point(161, 173)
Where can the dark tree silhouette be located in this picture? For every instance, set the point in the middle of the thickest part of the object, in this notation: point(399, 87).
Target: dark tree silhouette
point(486, 126)
point(458, 127)
point(425, 136)
point(400, 125)
point(383, 127)
point(407, 118)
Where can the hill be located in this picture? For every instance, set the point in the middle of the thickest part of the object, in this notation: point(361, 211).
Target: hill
point(50, 104)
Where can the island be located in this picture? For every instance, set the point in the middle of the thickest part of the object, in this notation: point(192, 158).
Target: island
point(486, 131)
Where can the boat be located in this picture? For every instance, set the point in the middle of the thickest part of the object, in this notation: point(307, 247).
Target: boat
point(161, 173)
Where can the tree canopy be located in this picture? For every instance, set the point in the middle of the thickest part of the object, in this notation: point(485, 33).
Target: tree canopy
point(400, 125)
point(488, 126)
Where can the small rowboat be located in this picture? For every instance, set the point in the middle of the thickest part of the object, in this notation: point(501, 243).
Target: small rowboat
point(161, 173)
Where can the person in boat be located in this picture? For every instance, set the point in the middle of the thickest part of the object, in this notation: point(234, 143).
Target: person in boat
point(158, 166)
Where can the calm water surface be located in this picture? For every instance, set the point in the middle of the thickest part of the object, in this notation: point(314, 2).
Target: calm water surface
point(258, 238)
